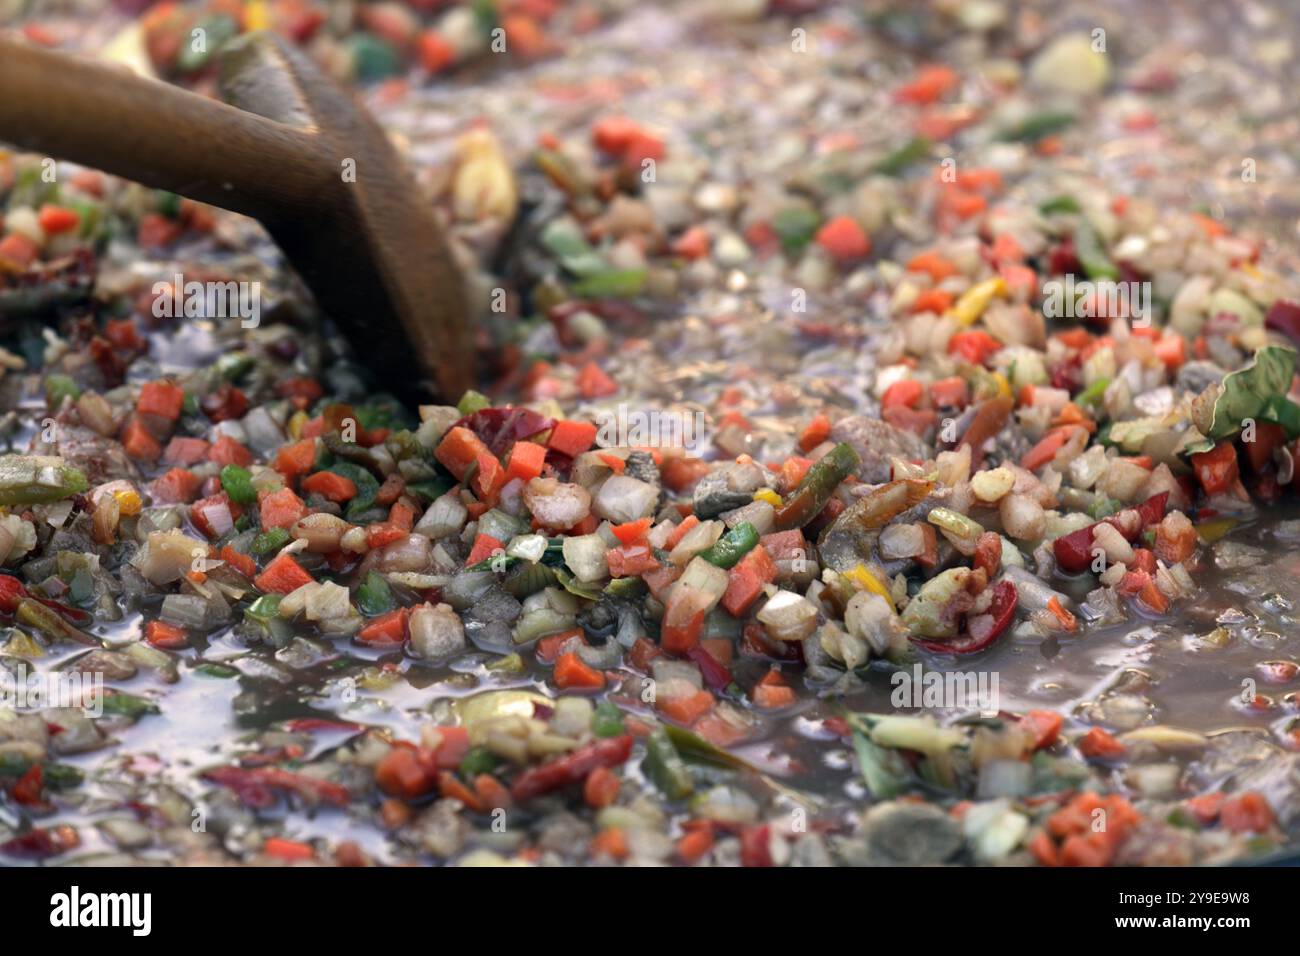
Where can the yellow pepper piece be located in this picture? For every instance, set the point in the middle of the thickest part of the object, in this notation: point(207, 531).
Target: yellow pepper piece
point(256, 16)
point(976, 299)
point(296, 421)
point(865, 578)
point(128, 502)
point(768, 495)
point(1004, 387)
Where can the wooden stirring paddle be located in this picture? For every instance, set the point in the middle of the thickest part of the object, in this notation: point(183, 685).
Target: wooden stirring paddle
point(367, 245)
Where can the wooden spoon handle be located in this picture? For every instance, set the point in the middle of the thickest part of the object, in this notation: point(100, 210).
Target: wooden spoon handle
point(107, 117)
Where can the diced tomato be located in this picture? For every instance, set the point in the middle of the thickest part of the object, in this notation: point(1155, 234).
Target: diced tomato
point(678, 638)
point(138, 443)
point(601, 788)
point(226, 451)
point(155, 231)
point(185, 451)
point(844, 239)
point(593, 382)
point(818, 430)
point(1099, 743)
point(680, 473)
point(772, 691)
point(291, 850)
point(974, 345)
point(692, 244)
point(386, 630)
point(571, 673)
point(161, 398)
point(280, 509)
point(284, 575)
point(18, 250)
point(212, 514)
point(434, 52)
point(1216, 470)
point(927, 85)
point(745, 580)
point(401, 773)
point(57, 219)
point(177, 486)
point(905, 392)
point(631, 560)
point(242, 563)
point(1045, 726)
point(1247, 812)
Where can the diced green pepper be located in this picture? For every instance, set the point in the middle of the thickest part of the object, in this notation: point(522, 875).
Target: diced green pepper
point(1036, 127)
point(607, 721)
point(38, 479)
point(477, 760)
point(375, 597)
point(1092, 254)
point(896, 163)
point(238, 483)
point(271, 541)
point(665, 768)
point(732, 546)
point(818, 485)
point(58, 387)
point(472, 402)
point(128, 705)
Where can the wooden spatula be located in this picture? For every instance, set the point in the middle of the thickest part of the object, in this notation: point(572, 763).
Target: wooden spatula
point(371, 250)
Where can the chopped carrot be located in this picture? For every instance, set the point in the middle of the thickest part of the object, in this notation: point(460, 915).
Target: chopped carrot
point(327, 484)
point(572, 673)
point(950, 392)
point(571, 437)
point(460, 450)
point(282, 576)
point(616, 464)
point(631, 532)
point(1247, 812)
point(525, 461)
point(484, 547)
point(938, 301)
point(687, 708)
point(296, 459)
point(283, 849)
point(772, 691)
point(452, 788)
point(601, 788)
point(162, 634)
point(610, 842)
point(1046, 449)
point(818, 430)
point(678, 638)
point(1067, 619)
point(689, 522)
point(696, 843)
point(692, 244)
